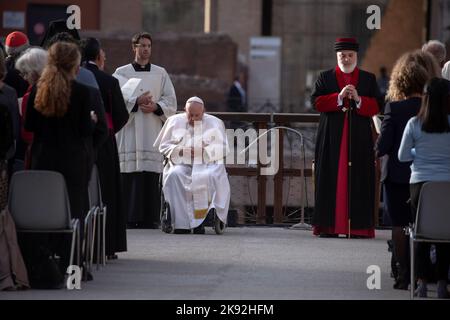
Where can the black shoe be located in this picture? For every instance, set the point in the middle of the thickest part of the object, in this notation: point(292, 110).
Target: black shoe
point(390, 246)
point(182, 231)
point(87, 276)
point(112, 257)
point(421, 291)
point(401, 285)
point(354, 236)
point(442, 292)
point(328, 235)
point(200, 229)
point(155, 225)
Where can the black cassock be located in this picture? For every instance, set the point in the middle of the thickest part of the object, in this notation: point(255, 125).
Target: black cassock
point(108, 161)
point(328, 154)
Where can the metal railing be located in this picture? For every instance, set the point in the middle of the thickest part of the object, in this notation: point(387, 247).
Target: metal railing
point(267, 121)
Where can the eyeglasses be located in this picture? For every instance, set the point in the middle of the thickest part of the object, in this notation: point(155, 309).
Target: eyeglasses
point(138, 45)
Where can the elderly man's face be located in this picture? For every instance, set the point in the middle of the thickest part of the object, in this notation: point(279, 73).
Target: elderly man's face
point(347, 60)
point(194, 112)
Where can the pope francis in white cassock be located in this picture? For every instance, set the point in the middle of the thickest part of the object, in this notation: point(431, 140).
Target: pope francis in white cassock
point(194, 180)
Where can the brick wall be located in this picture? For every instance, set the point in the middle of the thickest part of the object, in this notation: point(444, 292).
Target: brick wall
point(402, 29)
point(200, 65)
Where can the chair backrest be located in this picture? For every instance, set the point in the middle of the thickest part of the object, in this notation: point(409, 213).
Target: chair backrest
point(94, 189)
point(433, 212)
point(38, 200)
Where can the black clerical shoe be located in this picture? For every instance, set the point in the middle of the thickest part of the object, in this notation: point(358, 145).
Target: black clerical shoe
point(200, 229)
point(155, 225)
point(401, 285)
point(354, 236)
point(182, 231)
point(87, 275)
point(328, 235)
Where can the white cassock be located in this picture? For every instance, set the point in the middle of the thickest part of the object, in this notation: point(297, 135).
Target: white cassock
point(193, 188)
point(135, 140)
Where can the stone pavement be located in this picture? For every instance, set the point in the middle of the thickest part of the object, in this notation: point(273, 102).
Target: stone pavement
point(256, 263)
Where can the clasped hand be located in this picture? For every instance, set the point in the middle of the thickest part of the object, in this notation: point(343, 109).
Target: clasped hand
point(350, 92)
point(146, 103)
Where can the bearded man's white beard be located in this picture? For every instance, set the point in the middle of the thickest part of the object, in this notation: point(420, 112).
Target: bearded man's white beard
point(347, 69)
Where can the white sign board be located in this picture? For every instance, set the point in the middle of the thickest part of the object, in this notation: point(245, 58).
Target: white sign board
point(264, 83)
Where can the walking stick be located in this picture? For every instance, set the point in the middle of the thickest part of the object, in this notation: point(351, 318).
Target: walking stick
point(349, 172)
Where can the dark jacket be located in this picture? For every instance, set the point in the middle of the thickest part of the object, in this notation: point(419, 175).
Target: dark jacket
point(6, 131)
point(108, 161)
point(112, 98)
point(14, 79)
point(100, 133)
point(235, 101)
point(60, 144)
point(8, 97)
point(396, 116)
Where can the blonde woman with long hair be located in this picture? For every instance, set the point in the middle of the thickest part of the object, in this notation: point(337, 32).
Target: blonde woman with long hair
point(409, 75)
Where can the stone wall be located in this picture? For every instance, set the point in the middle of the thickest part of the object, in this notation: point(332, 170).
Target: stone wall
point(241, 20)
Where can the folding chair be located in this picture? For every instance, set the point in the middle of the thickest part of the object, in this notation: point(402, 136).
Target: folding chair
point(39, 203)
point(96, 204)
point(432, 219)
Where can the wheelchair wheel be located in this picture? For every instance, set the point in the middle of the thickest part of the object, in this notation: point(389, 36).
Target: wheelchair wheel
point(218, 225)
point(166, 224)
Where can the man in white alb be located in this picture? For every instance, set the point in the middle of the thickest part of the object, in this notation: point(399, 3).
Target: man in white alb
point(194, 180)
point(150, 99)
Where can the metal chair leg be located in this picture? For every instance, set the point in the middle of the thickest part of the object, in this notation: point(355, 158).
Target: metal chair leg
point(72, 246)
point(92, 241)
point(104, 237)
point(411, 248)
point(99, 235)
point(78, 245)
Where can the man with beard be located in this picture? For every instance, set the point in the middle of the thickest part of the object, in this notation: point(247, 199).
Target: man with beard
point(346, 98)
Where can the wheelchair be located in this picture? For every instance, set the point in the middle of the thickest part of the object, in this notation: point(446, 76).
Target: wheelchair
point(211, 220)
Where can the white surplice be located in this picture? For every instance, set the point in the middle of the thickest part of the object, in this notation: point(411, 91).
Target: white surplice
point(192, 188)
point(135, 140)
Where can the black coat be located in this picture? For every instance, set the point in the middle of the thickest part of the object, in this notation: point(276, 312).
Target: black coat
point(108, 162)
point(328, 150)
point(112, 96)
point(100, 134)
point(235, 101)
point(60, 144)
point(396, 116)
point(6, 131)
point(14, 79)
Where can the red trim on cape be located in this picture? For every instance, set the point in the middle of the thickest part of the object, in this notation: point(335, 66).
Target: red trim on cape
point(369, 107)
point(327, 103)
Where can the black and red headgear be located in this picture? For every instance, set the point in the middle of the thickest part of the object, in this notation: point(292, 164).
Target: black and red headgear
point(346, 44)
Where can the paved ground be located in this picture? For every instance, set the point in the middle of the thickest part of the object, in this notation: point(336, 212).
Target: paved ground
point(257, 263)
